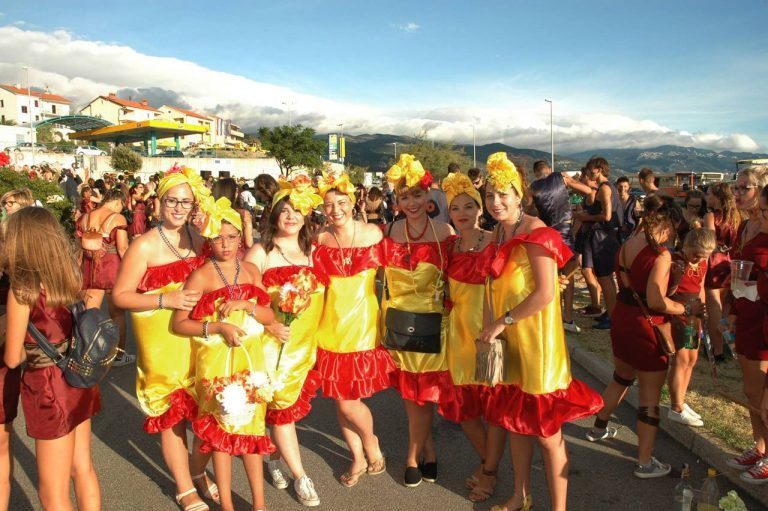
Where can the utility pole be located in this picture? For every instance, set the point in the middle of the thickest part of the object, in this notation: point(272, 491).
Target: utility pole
point(29, 112)
point(551, 137)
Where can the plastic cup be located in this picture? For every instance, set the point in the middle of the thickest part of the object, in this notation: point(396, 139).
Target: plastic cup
point(741, 270)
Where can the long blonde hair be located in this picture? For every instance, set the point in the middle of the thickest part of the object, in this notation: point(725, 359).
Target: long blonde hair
point(38, 254)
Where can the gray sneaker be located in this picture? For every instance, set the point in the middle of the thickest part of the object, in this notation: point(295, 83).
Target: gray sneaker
point(595, 435)
point(305, 491)
point(653, 469)
point(278, 479)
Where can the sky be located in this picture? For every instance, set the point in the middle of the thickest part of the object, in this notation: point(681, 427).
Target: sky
point(620, 73)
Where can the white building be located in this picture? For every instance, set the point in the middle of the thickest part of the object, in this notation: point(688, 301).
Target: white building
point(181, 115)
point(23, 107)
point(120, 111)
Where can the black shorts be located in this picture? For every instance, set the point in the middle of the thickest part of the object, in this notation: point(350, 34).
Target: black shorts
point(601, 248)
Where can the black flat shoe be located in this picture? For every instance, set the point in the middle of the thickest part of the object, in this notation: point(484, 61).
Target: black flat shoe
point(429, 471)
point(412, 477)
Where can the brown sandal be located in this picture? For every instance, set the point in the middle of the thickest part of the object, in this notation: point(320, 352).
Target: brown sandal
point(349, 479)
point(480, 493)
point(377, 467)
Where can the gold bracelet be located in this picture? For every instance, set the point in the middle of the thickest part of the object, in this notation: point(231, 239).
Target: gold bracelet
point(205, 329)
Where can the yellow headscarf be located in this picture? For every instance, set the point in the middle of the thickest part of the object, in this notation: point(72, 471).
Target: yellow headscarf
point(339, 182)
point(410, 168)
point(457, 183)
point(183, 175)
point(300, 192)
point(215, 213)
point(503, 175)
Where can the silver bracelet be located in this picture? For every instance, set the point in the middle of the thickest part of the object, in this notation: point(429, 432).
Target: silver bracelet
point(160, 301)
point(205, 329)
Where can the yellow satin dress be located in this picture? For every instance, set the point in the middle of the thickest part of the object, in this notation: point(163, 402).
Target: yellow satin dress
point(416, 283)
point(300, 381)
point(351, 362)
point(165, 363)
point(537, 393)
point(211, 358)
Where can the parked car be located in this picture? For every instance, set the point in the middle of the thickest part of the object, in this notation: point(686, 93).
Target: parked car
point(206, 153)
point(26, 147)
point(89, 150)
point(170, 153)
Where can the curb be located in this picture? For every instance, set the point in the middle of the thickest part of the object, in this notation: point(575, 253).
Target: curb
point(701, 443)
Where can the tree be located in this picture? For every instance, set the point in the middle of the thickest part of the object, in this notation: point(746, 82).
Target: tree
point(8, 122)
point(292, 147)
point(124, 159)
point(435, 156)
point(356, 173)
point(44, 134)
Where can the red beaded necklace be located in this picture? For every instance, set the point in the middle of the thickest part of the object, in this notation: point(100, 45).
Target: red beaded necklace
point(413, 236)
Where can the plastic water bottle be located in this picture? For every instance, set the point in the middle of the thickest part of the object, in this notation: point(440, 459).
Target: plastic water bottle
point(683, 491)
point(729, 337)
point(690, 342)
point(709, 496)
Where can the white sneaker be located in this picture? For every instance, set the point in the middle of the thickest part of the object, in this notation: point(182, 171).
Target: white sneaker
point(571, 327)
point(690, 411)
point(684, 417)
point(595, 435)
point(653, 469)
point(278, 479)
point(125, 360)
point(305, 491)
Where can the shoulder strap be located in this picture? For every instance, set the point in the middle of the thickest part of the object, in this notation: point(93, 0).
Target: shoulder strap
point(625, 278)
point(104, 222)
point(45, 345)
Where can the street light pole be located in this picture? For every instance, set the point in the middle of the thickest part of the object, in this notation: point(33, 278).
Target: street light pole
point(342, 146)
point(29, 112)
point(395, 144)
point(551, 137)
point(289, 104)
point(474, 148)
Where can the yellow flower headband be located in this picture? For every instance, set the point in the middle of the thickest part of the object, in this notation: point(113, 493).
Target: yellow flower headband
point(183, 175)
point(410, 168)
point(215, 213)
point(457, 183)
point(503, 175)
point(338, 182)
point(300, 192)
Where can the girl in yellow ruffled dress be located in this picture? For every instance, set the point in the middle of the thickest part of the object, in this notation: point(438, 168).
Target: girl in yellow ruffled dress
point(537, 393)
point(283, 256)
point(149, 286)
point(416, 252)
point(350, 360)
point(231, 381)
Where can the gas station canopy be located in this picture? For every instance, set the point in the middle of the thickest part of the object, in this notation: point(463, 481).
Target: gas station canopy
point(147, 132)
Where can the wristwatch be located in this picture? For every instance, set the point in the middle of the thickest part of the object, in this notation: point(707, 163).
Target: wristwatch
point(508, 319)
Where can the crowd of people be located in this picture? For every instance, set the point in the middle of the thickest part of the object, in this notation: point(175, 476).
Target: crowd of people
point(241, 314)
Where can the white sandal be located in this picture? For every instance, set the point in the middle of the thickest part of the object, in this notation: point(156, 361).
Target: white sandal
point(197, 506)
point(212, 492)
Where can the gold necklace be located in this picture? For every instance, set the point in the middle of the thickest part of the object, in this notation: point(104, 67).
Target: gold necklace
point(346, 261)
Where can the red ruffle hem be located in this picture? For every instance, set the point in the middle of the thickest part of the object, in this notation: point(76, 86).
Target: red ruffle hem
point(360, 374)
point(183, 406)
point(423, 388)
point(539, 415)
point(216, 439)
point(467, 403)
point(301, 407)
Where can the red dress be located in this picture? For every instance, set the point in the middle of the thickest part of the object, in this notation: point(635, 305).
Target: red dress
point(719, 272)
point(688, 288)
point(52, 408)
point(750, 316)
point(633, 340)
point(100, 268)
point(139, 223)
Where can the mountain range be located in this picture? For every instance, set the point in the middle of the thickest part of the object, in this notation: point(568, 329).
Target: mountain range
point(377, 152)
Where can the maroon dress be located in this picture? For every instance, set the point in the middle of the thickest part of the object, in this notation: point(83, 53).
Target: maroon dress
point(139, 223)
point(750, 341)
point(633, 340)
point(719, 272)
point(52, 408)
point(100, 267)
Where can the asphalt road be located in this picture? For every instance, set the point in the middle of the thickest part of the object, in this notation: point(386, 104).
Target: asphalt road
point(133, 476)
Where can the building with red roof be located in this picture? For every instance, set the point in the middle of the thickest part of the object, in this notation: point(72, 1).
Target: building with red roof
point(23, 106)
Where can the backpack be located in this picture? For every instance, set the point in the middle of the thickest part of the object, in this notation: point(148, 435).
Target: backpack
point(91, 240)
point(92, 347)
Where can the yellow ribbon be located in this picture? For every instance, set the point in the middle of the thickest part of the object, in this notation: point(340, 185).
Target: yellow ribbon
point(183, 175)
point(502, 174)
point(215, 213)
point(300, 192)
point(457, 183)
point(338, 182)
point(407, 167)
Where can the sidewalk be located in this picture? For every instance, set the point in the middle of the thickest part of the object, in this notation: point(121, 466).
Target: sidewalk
point(700, 442)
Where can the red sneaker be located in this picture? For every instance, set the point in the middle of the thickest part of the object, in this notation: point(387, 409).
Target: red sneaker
point(757, 474)
point(745, 460)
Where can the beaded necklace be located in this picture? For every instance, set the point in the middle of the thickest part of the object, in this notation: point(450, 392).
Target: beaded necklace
point(230, 288)
point(474, 248)
point(171, 247)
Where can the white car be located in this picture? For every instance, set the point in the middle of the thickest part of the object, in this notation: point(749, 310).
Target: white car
point(89, 150)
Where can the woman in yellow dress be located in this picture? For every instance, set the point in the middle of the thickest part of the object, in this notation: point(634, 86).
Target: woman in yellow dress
point(228, 342)
point(284, 252)
point(537, 393)
point(149, 286)
point(468, 267)
point(416, 251)
point(350, 360)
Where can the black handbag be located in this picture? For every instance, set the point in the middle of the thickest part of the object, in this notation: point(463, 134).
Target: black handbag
point(413, 331)
point(92, 349)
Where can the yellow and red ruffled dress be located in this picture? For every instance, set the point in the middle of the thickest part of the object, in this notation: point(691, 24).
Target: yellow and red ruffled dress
point(165, 374)
point(211, 356)
point(538, 393)
point(351, 362)
point(296, 371)
point(467, 273)
point(415, 283)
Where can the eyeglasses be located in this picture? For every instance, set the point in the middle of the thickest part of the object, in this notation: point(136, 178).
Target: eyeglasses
point(231, 239)
point(693, 206)
point(9, 203)
point(742, 189)
point(172, 202)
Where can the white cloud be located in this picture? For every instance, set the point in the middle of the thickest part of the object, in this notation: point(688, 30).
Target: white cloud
point(82, 69)
point(408, 27)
